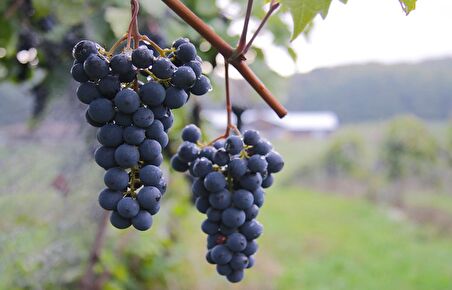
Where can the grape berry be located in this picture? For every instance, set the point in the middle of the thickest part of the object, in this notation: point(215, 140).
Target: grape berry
point(228, 182)
point(133, 119)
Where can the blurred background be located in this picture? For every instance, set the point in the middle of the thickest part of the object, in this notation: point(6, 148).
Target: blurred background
point(364, 202)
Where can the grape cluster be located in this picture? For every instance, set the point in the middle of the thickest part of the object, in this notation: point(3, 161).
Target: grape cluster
point(130, 96)
point(228, 182)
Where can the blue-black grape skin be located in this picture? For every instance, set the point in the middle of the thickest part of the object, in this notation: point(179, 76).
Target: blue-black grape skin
point(120, 64)
point(220, 200)
point(207, 152)
point(221, 157)
point(196, 67)
point(191, 133)
point(214, 181)
point(127, 156)
point(236, 242)
point(150, 175)
point(251, 262)
point(152, 94)
point(180, 41)
point(149, 149)
point(209, 227)
point(262, 147)
point(251, 181)
point(251, 230)
point(251, 137)
point(163, 68)
point(118, 221)
point(175, 98)
point(237, 167)
point(267, 181)
point(142, 221)
point(123, 119)
point(108, 199)
point(109, 86)
point(148, 197)
point(233, 217)
point(167, 121)
point(257, 163)
point(142, 57)
point(225, 230)
point(143, 117)
point(275, 162)
point(213, 215)
point(259, 197)
point(202, 86)
point(186, 52)
point(160, 111)
point(198, 188)
point(101, 110)
point(110, 135)
point(188, 151)
point(239, 261)
point(202, 204)
point(128, 207)
point(78, 73)
point(235, 276)
point(224, 270)
point(251, 248)
point(242, 199)
point(127, 101)
point(105, 157)
point(90, 120)
point(83, 49)
point(203, 167)
point(95, 67)
point(209, 258)
point(87, 92)
point(178, 165)
point(184, 78)
point(221, 254)
point(134, 135)
point(252, 212)
point(116, 178)
point(233, 145)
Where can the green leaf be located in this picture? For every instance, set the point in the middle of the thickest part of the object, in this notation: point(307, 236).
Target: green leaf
point(304, 11)
point(118, 18)
point(408, 5)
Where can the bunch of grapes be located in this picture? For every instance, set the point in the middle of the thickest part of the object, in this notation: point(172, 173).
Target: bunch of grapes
point(130, 96)
point(229, 178)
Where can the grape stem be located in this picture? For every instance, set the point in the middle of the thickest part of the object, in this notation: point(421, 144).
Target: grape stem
point(237, 60)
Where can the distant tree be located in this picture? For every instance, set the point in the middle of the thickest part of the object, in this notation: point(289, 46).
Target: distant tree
point(408, 147)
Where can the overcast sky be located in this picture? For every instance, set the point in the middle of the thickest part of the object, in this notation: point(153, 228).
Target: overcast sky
point(373, 30)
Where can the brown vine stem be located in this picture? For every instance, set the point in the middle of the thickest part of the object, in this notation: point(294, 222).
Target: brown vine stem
point(273, 6)
point(242, 42)
point(227, 51)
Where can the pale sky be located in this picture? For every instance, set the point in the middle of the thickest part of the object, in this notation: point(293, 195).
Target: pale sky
point(372, 30)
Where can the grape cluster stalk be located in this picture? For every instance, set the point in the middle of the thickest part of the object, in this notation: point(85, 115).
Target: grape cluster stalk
point(229, 178)
point(130, 96)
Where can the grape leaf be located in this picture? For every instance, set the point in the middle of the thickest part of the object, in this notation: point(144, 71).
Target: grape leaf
point(408, 5)
point(304, 11)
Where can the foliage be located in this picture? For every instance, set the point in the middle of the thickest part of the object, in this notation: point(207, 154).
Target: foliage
point(344, 156)
point(407, 147)
point(374, 92)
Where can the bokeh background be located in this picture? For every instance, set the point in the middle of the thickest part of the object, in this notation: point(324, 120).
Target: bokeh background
point(364, 202)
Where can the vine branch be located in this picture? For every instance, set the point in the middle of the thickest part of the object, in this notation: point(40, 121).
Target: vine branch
point(228, 52)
